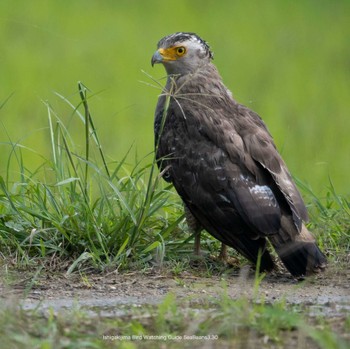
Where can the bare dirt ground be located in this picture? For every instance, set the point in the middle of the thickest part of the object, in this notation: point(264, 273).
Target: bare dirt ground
point(328, 292)
point(116, 294)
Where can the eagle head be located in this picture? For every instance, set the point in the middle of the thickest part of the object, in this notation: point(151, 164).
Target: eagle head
point(182, 53)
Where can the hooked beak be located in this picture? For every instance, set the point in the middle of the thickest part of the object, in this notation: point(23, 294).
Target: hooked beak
point(157, 58)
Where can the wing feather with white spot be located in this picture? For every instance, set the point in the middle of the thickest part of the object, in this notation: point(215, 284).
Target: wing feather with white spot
point(261, 148)
point(256, 203)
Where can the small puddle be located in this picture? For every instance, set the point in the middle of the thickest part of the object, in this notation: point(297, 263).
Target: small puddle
point(122, 306)
point(328, 306)
point(104, 307)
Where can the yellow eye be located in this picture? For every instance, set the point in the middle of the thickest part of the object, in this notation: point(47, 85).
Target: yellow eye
point(180, 51)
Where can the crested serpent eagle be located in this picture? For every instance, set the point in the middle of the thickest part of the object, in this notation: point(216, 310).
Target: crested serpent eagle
point(223, 162)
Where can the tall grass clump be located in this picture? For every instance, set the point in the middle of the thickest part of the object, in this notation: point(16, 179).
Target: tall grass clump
point(330, 220)
point(79, 208)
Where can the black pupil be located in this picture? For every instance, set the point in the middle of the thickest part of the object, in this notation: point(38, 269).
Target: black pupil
point(180, 50)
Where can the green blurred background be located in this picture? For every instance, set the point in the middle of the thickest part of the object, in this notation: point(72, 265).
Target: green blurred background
point(287, 60)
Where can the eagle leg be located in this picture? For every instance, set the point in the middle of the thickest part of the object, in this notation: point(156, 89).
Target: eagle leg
point(223, 256)
point(197, 243)
point(196, 229)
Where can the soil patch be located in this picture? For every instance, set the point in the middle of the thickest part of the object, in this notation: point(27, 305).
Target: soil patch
point(328, 293)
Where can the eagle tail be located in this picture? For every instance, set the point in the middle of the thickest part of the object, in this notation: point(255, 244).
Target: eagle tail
point(302, 257)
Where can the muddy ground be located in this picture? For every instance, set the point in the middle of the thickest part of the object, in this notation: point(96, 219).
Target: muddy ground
point(119, 295)
point(328, 293)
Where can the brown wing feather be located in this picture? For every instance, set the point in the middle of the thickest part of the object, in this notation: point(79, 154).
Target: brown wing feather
point(261, 148)
point(213, 171)
point(244, 136)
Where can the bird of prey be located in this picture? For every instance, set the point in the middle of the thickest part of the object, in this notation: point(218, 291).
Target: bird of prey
point(224, 164)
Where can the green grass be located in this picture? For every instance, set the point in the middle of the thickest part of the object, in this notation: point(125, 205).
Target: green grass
point(330, 220)
point(76, 206)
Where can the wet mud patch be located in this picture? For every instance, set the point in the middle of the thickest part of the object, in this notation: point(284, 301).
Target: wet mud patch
point(137, 297)
point(330, 289)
